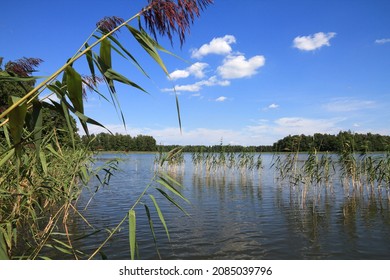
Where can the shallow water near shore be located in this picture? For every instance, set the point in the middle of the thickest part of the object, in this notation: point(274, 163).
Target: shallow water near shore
point(236, 215)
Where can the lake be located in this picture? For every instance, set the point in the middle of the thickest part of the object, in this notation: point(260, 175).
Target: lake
point(235, 215)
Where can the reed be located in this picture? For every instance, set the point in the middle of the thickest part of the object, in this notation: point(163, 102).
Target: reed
point(362, 174)
point(348, 165)
point(38, 194)
point(226, 161)
point(172, 161)
point(41, 179)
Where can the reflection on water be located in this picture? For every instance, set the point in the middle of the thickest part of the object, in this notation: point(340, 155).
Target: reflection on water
point(240, 215)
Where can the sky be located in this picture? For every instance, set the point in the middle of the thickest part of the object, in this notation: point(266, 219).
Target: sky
point(249, 73)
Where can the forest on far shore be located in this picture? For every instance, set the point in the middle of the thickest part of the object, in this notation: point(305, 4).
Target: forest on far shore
point(320, 142)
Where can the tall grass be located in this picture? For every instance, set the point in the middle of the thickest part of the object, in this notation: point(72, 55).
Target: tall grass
point(39, 193)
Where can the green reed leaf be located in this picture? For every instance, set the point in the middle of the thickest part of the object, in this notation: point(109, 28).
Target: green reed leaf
point(6, 135)
point(6, 77)
point(54, 152)
point(3, 248)
point(104, 61)
point(86, 119)
point(168, 186)
point(171, 180)
point(132, 232)
point(17, 119)
point(147, 43)
point(160, 215)
point(62, 243)
point(6, 157)
point(113, 75)
point(89, 58)
point(75, 88)
point(43, 161)
point(105, 53)
point(151, 226)
point(62, 250)
point(178, 111)
point(172, 201)
point(132, 58)
point(36, 123)
point(65, 112)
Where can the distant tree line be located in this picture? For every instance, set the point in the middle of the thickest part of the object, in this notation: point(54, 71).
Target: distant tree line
point(218, 148)
point(120, 142)
point(321, 142)
point(334, 143)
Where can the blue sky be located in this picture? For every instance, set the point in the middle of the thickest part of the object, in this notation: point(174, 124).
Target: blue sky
point(251, 71)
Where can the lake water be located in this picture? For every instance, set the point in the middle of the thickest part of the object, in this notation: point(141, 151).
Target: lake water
point(235, 215)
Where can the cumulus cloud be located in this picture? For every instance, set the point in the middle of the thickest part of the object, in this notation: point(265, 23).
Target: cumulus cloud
point(195, 87)
point(196, 69)
point(307, 126)
point(313, 42)
point(382, 41)
point(179, 74)
point(273, 106)
point(349, 105)
point(214, 81)
point(220, 46)
point(191, 88)
point(298, 125)
point(270, 131)
point(221, 99)
point(235, 67)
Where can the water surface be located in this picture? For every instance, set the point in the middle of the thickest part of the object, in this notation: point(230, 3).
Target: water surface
point(237, 215)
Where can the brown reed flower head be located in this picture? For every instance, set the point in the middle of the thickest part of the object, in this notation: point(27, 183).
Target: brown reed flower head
point(107, 24)
point(167, 17)
point(90, 83)
point(23, 67)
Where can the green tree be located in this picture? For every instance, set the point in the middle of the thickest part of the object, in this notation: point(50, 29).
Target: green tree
point(52, 118)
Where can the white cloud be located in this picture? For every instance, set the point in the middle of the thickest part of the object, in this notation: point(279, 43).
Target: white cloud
point(313, 42)
point(235, 67)
point(298, 125)
point(221, 99)
point(264, 132)
point(382, 41)
point(349, 105)
point(212, 81)
point(273, 106)
point(195, 136)
point(220, 45)
point(179, 74)
point(196, 69)
point(191, 88)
